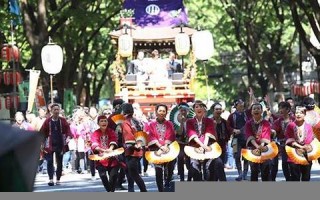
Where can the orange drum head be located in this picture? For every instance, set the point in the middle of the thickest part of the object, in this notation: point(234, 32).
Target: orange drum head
point(118, 119)
point(214, 153)
point(270, 151)
point(141, 135)
point(104, 156)
point(259, 156)
point(253, 156)
point(314, 152)
point(296, 156)
point(174, 150)
point(316, 130)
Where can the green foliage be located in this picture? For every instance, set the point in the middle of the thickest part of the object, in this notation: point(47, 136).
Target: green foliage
point(124, 13)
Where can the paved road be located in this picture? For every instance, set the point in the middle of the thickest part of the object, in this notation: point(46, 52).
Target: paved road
point(83, 182)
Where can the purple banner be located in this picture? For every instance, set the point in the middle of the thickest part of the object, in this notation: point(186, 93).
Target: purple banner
point(157, 13)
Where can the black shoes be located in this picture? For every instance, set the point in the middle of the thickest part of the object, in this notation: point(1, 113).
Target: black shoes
point(51, 183)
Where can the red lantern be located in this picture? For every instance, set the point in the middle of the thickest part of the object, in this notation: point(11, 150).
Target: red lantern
point(295, 89)
point(18, 78)
point(8, 102)
point(7, 78)
point(10, 52)
point(316, 87)
point(312, 83)
point(17, 100)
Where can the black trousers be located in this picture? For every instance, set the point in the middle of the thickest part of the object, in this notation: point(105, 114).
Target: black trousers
point(108, 183)
point(50, 167)
point(300, 172)
point(218, 173)
point(133, 164)
point(91, 164)
point(263, 168)
point(285, 165)
point(181, 162)
point(164, 172)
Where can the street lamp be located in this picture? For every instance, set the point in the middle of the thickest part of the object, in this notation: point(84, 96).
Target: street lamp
point(203, 48)
point(52, 60)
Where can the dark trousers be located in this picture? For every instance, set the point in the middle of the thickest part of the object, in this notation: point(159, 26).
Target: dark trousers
point(217, 173)
point(285, 165)
point(50, 167)
point(203, 170)
point(300, 172)
point(80, 167)
point(237, 158)
point(145, 164)
point(133, 172)
point(164, 172)
point(108, 183)
point(91, 164)
point(181, 162)
point(263, 168)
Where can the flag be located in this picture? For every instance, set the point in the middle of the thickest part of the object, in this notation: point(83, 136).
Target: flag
point(34, 78)
point(23, 91)
point(68, 101)
point(162, 13)
point(14, 9)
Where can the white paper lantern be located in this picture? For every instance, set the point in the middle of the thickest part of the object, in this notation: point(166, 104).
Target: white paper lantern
point(182, 44)
point(52, 58)
point(202, 45)
point(125, 45)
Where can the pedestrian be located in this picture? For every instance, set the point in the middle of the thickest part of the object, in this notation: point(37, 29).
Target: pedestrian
point(57, 131)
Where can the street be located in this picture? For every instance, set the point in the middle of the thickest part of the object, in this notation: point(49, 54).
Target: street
point(83, 182)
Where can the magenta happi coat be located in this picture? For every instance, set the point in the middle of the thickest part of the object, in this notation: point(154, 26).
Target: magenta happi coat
point(161, 132)
point(301, 134)
point(279, 126)
point(199, 129)
point(260, 132)
point(104, 140)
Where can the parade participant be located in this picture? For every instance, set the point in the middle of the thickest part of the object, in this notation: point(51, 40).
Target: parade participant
point(91, 125)
point(158, 73)
point(173, 65)
point(161, 135)
point(201, 134)
point(117, 109)
point(290, 100)
point(21, 122)
point(57, 131)
point(222, 129)
point(312, 116)
point(133, 148)
point(181, 137)
point(299, 135)
point(42, 116)
point(258, 134)
point(279, 126)
point(104, 140)
point(39, 120)
point(236, 121)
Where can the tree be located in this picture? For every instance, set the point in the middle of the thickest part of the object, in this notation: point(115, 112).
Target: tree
point(306, 18)
point(80, 27)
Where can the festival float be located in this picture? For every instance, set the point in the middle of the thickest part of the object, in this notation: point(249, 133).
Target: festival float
point(149, 27)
